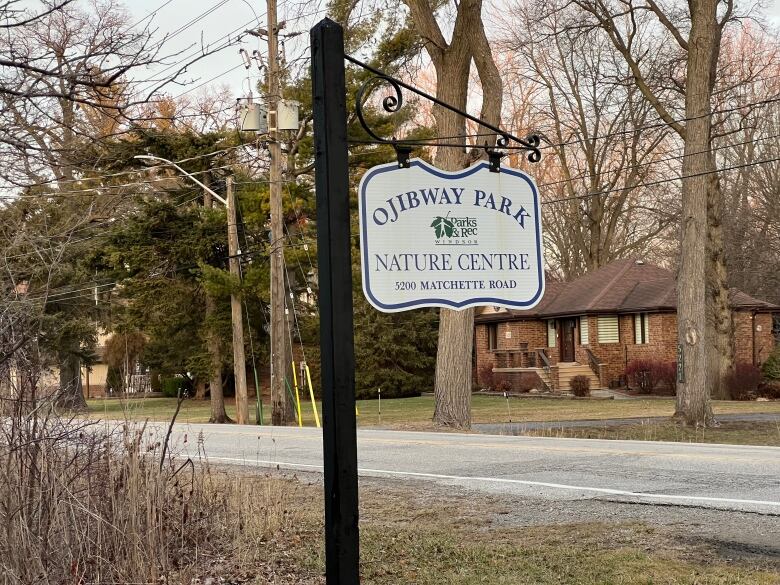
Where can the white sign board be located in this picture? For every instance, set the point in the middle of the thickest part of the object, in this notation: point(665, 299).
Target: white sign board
point(432, 238)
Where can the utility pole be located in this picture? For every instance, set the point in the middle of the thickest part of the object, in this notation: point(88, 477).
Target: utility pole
point(280, 413)
point(239, 361)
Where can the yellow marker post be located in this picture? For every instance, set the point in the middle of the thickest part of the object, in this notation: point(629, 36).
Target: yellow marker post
point(311, 395)
point(297, 395)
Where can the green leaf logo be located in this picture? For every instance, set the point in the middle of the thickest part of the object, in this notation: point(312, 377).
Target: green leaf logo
point(443, 227)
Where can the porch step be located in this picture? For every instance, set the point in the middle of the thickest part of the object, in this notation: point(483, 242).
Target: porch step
point(568, 370)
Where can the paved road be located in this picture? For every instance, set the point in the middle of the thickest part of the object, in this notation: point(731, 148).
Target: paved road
point(724, 477)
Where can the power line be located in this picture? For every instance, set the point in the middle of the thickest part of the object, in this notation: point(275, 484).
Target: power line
point(661, 181)
point(190, 23)
point(150, 15)
point(657, 161)
point(198, 53)
point(90, 226)
point(662, 124)
point(177, 96)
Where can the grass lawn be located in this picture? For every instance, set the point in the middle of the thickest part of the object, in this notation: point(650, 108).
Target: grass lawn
point(415, 413)
point(729, 432)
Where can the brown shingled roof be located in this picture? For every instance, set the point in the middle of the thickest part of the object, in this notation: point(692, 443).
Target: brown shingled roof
point(623, 286)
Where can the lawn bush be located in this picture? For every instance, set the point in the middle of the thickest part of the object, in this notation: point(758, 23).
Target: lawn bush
point(580, 386)
point(485, 376)
point(771, 367)
point(649, 376)
point(667, 377)
point(742, 382)
point(170, 387)
point(769, 389)
point(504, 385)
point(642, 375)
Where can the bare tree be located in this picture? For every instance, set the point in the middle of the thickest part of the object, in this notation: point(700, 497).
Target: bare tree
point(598, 208)
point(747, 144)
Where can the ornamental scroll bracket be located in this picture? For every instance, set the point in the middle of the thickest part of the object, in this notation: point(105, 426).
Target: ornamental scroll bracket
point(504, 141)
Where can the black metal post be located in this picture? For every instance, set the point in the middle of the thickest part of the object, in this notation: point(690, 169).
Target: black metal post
point(335, 293)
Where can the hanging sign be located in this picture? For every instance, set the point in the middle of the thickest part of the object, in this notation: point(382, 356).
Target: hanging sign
point(432, 238)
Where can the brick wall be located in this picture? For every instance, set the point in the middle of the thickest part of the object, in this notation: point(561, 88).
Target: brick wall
point(662, 343)
point(531, 332)
point(743, 337)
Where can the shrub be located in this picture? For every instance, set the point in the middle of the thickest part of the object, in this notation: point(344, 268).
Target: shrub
point(171, 386)
point(771, 367)
point(648, 376)
point(742, 382)
point(769, 389)
point(642, 375)
point(504, 385)
point(485, 376)
point(666, 373)
point(580, 386)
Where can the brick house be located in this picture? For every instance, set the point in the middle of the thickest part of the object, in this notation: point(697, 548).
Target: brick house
point(595, 325)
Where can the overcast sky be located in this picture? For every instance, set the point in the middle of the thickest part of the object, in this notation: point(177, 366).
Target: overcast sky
point(229, 16)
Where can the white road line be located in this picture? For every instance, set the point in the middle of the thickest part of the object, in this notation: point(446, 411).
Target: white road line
point(412, 474)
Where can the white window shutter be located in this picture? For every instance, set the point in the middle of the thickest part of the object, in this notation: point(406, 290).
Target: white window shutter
point(584, 330)
point(608, 329)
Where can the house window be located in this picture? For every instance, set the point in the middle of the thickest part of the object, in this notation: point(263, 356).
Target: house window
point(641, 328)
point(583, 330)
point(492, 336)
point(551, 333)
point(608, 329)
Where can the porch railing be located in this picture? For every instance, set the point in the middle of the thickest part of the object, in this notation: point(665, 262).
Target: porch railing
point(593, 362)
point(544, 359)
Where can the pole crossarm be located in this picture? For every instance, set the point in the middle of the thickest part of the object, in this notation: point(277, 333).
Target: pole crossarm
point(393, 103)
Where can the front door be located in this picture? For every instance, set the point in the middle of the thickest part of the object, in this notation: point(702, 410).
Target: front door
point(568, 327)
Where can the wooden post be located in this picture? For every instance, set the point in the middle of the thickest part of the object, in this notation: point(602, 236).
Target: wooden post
point(335, 299)
point(239, 361)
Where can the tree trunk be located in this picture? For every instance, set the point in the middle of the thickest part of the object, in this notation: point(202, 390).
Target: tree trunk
point(452, 61)
point(200, 389)
point(720, 333)
point(71, 394)
point(452, 387)
point(218, 414)
point(693, 402)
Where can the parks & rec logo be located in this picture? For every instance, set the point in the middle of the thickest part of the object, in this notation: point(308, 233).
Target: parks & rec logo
point(455, 231)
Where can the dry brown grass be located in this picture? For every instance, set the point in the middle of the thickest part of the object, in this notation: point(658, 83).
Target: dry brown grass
point(81, 504)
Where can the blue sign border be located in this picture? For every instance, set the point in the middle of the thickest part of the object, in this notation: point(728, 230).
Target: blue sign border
point(478, 301)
